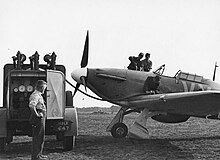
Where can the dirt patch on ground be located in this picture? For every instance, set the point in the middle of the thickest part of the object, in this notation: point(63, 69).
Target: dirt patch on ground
point(195, 139)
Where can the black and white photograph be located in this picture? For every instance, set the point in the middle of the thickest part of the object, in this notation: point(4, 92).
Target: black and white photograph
point(107, 79)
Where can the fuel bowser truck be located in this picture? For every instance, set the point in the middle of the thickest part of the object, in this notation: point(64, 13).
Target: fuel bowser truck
point(19, 82)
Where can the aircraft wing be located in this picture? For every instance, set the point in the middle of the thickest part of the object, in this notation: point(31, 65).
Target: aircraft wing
point(199, 103)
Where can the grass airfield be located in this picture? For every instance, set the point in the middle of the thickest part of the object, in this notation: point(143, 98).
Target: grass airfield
point(195, 139)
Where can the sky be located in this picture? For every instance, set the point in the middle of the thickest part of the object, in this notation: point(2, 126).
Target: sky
point(183, 34)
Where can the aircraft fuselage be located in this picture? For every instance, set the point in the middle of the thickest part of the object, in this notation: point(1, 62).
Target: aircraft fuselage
point(118, 84)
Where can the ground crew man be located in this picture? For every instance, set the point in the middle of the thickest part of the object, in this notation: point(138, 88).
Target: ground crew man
point(135, 62)
point(151, 85)
point(37, 119)
point(146, 64)
point(132, 65)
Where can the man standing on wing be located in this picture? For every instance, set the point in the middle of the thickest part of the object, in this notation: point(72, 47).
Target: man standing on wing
point(146, 64)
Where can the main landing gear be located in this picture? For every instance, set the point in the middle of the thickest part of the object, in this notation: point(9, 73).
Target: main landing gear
point(138, 130)
point(117, 128)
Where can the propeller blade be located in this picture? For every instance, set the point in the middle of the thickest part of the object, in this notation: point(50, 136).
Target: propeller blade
point(84, 60)
point(83, 64)
point(83, 79)
point(77, 87)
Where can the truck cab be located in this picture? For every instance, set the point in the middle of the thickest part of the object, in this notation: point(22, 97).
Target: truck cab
point(19, 83)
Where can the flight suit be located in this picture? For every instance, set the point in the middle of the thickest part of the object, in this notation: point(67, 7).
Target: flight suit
point(135, 63)
point(38, 124)
point(132, 65)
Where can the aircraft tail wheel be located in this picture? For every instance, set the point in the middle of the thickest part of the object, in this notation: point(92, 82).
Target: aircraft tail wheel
point(119, 130)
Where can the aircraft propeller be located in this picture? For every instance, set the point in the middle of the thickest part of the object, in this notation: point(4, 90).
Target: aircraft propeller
point(80, 74)
point(84, 60)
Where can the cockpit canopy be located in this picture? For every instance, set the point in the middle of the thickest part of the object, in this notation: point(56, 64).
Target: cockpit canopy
point(181, 75)
point(188, 76)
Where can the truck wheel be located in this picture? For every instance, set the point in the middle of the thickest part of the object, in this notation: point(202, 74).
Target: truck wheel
point(119, 130)
point(2, 144)
point(68, 143)
point(69, 98)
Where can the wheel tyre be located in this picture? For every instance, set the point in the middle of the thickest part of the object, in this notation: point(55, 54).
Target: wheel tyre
point(68, 143)
point(2, 144)
point(119, 130)
point(69, 98)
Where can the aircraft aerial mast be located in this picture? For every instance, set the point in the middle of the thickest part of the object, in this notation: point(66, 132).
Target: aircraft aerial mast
point(214, 71)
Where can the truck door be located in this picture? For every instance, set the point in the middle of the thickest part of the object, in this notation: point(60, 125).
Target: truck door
point(55, 94)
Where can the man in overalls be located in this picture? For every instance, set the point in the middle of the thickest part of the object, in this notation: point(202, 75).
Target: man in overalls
point(135, 62)
point(37, 119)
point(146, 64)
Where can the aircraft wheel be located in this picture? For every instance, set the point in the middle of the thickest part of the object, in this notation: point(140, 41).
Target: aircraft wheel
point(119, 130)
point(68, 143)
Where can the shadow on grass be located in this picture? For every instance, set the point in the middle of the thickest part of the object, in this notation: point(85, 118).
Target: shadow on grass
point(106, 147)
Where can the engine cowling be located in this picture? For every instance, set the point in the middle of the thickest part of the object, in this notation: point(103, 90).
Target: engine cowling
point(171, 118)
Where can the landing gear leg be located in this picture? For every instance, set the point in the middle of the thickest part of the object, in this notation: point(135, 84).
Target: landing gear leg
point(138, 130)
point(116, 127)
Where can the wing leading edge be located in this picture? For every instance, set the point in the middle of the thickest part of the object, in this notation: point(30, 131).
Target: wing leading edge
point(199, 103)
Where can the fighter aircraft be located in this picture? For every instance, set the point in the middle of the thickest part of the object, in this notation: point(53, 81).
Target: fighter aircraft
point(152, 94)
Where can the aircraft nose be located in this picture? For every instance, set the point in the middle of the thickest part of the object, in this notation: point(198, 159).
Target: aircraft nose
point(78, 73)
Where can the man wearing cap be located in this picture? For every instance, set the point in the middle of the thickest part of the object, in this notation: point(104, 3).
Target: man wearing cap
point(135, 62)
point(37, 119)
point(146, 64)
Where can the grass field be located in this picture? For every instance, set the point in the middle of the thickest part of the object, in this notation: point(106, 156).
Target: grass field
point(194, 139)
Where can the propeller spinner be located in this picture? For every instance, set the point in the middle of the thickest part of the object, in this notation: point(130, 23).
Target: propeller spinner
point(79, 75)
